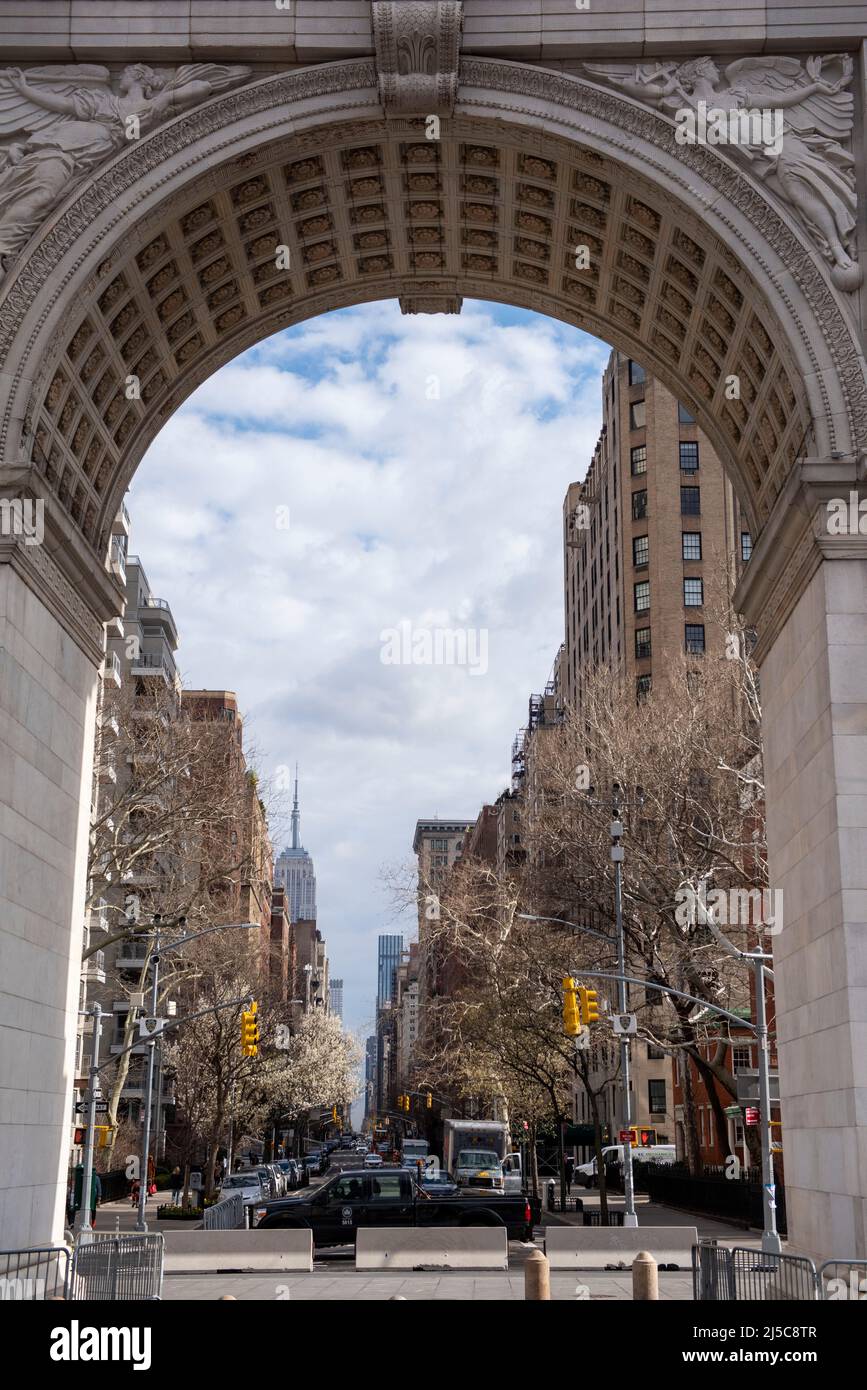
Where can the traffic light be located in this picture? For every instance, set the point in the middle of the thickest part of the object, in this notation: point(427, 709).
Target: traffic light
point(589, 1005)
point(250, 1031)
point(334, 1112)
point(571, 1015)
point(428, 1101)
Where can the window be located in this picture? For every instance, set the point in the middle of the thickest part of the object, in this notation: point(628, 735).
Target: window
point(746, 546)
point(741, 1059)
point(386, 1187)
point(638, 458)
point(655, 1054)
point(641, 550)
point(636, 374)
point(688, 457)
point(642, 642)
point(690, 501)
point(347, 1190)
point(639, 504)
point(694, 633)
point(642, 596)
point(656, 1095)
point(637, 415)
point(684, 416)
point(693, 593)
point(691, 544)
point(642, 688)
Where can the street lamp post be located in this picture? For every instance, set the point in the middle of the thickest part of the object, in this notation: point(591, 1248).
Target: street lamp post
point(630, 1217)
point(82, 1216)
point(141, 1222)
point(771, 1242)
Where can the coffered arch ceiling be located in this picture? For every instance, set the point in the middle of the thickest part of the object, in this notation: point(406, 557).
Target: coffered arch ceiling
point(168, 267)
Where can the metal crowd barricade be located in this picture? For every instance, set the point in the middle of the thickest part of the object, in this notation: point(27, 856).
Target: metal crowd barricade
point(228, 1215)
point(34, 1275)
point(117, 1266)
point(712, 1273)
point(742, 1274)
point(842, 1279)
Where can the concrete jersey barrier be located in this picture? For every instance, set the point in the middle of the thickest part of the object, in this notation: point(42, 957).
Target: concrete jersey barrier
point(459, 1247)
point(594, 1247)
point(202, 1252)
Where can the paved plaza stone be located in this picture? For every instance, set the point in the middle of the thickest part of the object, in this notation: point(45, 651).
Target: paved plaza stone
point(349, 1285)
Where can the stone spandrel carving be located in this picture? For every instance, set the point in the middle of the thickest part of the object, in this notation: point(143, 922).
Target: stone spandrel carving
point(59, 123)
point(417, 48)
point(807, 164)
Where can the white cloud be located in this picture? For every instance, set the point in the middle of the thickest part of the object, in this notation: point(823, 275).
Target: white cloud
point(440, 510)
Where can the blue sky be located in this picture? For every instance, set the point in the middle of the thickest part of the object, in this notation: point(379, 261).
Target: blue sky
point(360, 470)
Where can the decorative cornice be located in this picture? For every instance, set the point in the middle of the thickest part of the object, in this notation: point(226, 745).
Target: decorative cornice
point(795, 541)
point(417, 49)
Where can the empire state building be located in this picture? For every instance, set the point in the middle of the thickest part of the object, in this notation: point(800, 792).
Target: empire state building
point(295, 873)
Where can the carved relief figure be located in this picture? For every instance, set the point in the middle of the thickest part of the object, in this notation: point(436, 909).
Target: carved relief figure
point(65, 120)
point(811, 171)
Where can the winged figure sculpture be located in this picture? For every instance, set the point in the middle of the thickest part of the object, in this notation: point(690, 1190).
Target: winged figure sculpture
point(58, 123)
point(811, 169)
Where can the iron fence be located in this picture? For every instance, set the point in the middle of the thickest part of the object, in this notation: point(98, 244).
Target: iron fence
point(729, 1199)
point(34, 1275)
point(228, 1215)
point(117, 1266)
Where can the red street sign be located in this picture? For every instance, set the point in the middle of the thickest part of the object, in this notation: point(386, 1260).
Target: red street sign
point(626, 1136)
point(751, 1115)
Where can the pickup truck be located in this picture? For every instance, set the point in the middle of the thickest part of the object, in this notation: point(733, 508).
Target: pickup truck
point(392, 1197)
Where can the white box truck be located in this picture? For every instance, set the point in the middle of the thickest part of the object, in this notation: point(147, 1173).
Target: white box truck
point(473, 1152)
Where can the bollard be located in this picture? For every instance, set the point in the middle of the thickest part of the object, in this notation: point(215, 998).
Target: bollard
point(551, 1191)
point(645, 1277)
point(227, 1298)
point(398, 1298)
point(537, 1277)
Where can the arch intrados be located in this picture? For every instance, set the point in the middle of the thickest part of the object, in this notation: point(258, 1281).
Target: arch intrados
point(205, 155)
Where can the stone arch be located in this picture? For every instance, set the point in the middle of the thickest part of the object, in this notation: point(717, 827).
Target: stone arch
point(162, 266)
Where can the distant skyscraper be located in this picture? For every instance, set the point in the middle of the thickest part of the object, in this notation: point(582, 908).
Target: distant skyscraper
point(335, 998)
point(295, 873)
point(388, 959)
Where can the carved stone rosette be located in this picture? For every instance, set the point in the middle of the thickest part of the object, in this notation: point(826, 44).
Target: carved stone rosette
point(417, 48)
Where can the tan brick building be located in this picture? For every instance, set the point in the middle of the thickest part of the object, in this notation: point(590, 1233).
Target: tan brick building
point(652, 541)
point(651, 538)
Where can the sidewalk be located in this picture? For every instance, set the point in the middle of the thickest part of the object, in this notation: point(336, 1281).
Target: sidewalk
point(122, 1216)
point(656, 1214)
point(352, 1285)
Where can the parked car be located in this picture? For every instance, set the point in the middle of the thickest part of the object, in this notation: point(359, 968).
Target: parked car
point(249, 1184)
point(586, 1173)
point(289, 1168)
point(358, 1197)
point(268, 1177)
point(373, 1160)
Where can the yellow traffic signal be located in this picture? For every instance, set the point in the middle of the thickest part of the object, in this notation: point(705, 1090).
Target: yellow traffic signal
point(571, 1016)
point(589, 1005)
point(250, 1031)
point(428, 1103)
point(334, 1112)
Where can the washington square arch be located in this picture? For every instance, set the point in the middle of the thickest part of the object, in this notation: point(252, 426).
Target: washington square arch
point(156, 155)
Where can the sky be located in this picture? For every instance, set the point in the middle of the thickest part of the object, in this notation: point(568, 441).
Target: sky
point(315, 513)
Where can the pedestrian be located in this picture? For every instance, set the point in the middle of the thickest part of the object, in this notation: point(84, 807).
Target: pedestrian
point(177, 1186)
point(570, 1173)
